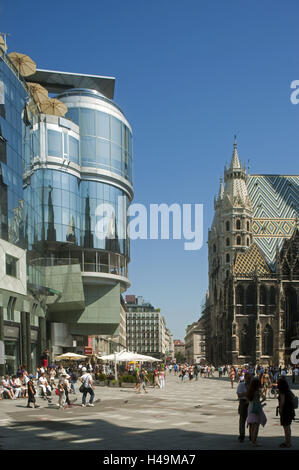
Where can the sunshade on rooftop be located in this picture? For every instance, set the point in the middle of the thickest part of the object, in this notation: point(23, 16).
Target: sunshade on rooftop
point(57, 82)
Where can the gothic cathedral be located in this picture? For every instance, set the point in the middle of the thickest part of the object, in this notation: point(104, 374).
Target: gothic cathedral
point(252, 312)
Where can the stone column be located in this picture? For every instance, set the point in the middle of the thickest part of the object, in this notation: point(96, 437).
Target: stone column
point(279, 338)
point(28, 341)
point(42, 342)
point(25, 337)
point(258, 342)
point(258, 345)
point(2, 349)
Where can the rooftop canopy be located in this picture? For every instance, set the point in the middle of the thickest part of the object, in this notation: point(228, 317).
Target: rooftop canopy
point(57, 82)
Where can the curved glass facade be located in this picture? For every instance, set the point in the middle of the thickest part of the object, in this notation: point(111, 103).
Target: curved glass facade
point(14, 142)
point(66, 209)
point(105, 140)
point(65, 215)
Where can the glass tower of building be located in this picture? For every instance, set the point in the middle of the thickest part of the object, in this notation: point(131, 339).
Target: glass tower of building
point(65, 189)
point(79, 174)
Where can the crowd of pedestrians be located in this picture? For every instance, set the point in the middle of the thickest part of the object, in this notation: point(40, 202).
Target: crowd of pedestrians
point(49, 382)
point(255, 384)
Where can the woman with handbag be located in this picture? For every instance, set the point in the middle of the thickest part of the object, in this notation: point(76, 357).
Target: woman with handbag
point(256, 415)
point(286, 409)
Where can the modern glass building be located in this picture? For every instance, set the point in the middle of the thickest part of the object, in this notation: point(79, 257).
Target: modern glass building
point(22, 317)
point(79, 180)
point(66, 185)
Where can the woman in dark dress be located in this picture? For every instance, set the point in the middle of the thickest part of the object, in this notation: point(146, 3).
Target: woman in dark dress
point(31, 393)
point(286, 409)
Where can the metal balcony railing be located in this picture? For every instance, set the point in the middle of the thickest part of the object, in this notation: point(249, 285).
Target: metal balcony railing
point(85, 267)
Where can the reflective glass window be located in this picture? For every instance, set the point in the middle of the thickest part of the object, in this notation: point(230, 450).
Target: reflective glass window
point(116, 157)
point(54, 143)
point(103, 125)
point(57, 179)
point(88, 150)
point(103, 153)
point(65, 144)
point(87, 121)
point(73, 149)
point(116, 131)
point(73, 114)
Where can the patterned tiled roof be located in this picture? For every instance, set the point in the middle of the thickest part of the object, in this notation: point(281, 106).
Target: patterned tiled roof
point(275, 203)
point(251, 261)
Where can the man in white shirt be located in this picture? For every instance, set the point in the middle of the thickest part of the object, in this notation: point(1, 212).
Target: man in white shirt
point(86, 387)
point(7, 387)
point(46, 389)
point(243, 403)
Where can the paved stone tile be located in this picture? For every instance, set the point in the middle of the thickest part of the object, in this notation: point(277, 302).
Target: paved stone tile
point(197, 415)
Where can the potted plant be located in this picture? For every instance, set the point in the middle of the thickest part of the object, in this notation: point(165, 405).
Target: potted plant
point(127, 381)
point(114, 383)
point(102, 379)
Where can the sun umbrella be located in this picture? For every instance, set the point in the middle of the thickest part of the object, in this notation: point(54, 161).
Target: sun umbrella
point(126, 356)
point(70, 356)
point(39, 93)
point(2, 44)
point(53, 106)
point(143, 358)
point(23, 63)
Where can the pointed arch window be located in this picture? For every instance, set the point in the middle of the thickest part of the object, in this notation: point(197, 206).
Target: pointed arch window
point(272, 300)
point(267, 341)
point(227, 226)
point(227, 258)
point(250, 299)
point(240, 299)
point(238, 224)
point(239, 240)
point(263, 299)
point(227, 242)
point(244, 341)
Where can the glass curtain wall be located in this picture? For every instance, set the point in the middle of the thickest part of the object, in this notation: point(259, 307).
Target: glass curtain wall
point(13, 130)
point(105, 141)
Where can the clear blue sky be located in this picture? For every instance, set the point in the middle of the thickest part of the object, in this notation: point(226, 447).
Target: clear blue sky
point(189, 75)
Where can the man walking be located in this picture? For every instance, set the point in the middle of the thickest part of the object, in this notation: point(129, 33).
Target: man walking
point(142, 378)
point(243, 404)
point(86, 387)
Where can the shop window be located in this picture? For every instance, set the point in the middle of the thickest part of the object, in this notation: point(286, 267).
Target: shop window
point(11, 357)
point(11, 308)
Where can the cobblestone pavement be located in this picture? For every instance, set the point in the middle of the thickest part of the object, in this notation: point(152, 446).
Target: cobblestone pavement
point(193, 415)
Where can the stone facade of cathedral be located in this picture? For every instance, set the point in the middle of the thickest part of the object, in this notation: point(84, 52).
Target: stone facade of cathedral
point(252, 310)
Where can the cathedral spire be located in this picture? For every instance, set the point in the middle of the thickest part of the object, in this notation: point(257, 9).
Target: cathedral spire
point(221, 189)
point(235, 162)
